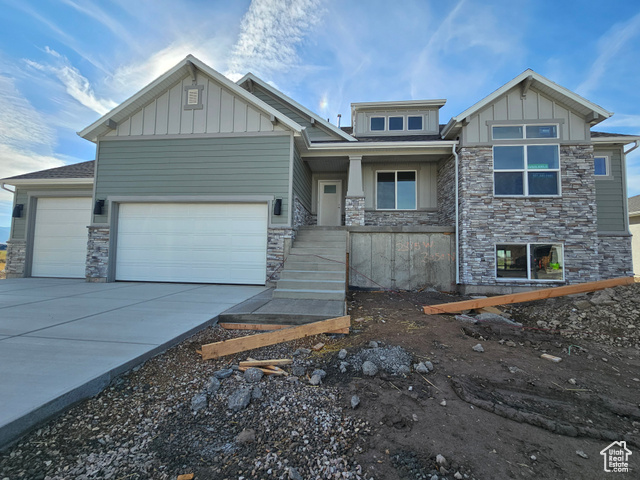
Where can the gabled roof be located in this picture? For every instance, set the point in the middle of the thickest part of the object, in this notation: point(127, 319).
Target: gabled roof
point(155, 88)
point(634, 205)
point(305, 112)
point(81, 172)
point(529, 78)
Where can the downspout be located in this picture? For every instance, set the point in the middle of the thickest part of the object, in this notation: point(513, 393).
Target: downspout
point(455, 155)
point(2, 186)
point(637, 144)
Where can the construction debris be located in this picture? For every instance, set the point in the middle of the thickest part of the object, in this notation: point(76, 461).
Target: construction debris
point(546, 356)
point(317, 347)
point(236, 345)
point(457, 307)
point(266, 363)
point(186, 476)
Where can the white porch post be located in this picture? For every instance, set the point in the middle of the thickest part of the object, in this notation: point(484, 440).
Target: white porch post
point(354, 203)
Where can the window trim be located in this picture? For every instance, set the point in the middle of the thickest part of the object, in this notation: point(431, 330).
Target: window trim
point(383, 117)
point(528, 279)
point(396, 209)
point(524, 131)
point(402, 117)
point(405, 123)
point(525, 171)
point(607, 163)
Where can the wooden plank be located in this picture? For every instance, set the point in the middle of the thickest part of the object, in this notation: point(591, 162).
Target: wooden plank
point(266, 326)
point(526, 296)
point(266, 371)
point(266, 363)
point(235, 345)
point(495, 310)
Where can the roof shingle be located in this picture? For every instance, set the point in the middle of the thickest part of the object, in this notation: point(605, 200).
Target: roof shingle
point(77, 170)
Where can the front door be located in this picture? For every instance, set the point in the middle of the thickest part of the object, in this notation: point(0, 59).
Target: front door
point(330, 202)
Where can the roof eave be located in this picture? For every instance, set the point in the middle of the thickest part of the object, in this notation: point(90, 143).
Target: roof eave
point(616, 140)
point(46, 181)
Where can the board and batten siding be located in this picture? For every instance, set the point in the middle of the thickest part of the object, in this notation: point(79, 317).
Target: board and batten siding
point(512, 107)
point(610, 198)
point(221, 112)
point(427, 176)
point(315, 133)
point(19, 225)
point(233, 166)
point(302, 180)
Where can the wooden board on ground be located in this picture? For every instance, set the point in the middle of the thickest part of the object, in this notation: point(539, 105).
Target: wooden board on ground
point(266, 363)
point(494, 310)
point(455, 307)
point(235, 345)
point(265, 326)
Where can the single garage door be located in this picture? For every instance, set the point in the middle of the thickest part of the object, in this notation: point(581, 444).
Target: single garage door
point(192, 242)
point(60, 237)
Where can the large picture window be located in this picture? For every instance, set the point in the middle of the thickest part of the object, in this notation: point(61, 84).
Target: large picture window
point(531, 261)
point(396, 190)
point(526, 170)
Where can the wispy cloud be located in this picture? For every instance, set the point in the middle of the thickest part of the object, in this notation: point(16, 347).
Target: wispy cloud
point(76, 85)
point(271, 30)
point(609, 47)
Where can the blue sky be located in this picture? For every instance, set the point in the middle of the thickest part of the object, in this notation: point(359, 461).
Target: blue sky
point(64, 63)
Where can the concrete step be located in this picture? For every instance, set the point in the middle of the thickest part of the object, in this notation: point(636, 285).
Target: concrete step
point(314, 264)
point(324, 251)
point(310, 284)
point(339, 259)
point(327, 235)
point(313, 275)
point(307, 228)
point(309, 294)
point(320, 244)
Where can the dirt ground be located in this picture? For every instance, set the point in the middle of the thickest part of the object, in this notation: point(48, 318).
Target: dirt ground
point(497, 414)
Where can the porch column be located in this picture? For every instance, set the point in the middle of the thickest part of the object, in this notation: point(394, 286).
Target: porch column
point(354, 203)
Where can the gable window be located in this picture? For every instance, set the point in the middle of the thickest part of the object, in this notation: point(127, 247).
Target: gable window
point(396, 123)
point(526, 170)
point(530, 261)
point(601, 166)
point(414, 123)
point(396, 190)
point(521, 132)
point(377, 123)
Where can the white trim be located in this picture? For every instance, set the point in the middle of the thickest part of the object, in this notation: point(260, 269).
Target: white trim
point(399, 104)
point(607, 167)
point(524, 130)
point(617, 140)
point(525, 170)
point(395, 193)
point(296, 105)
point(528, 279)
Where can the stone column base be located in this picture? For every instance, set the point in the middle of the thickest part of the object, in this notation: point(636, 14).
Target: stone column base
point(97, 254)
point(354, 211)
point(16, 258)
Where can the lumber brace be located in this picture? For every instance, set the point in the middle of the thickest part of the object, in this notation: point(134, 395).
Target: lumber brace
point(456, 307)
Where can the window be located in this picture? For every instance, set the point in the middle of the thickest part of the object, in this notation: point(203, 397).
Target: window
point(414, 123)
point(520, 132)
point(377, 123)
point(396, 190)
point(526, 170)
point(601, 166)
point(396, 123)
point(532, 261)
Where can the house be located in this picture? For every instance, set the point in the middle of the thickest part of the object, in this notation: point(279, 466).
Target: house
point(634, 228)
point(199, 179)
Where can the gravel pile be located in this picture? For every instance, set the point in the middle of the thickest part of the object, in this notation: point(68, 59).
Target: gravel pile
point(390, 359)
point(610, 316)
point(172, 416)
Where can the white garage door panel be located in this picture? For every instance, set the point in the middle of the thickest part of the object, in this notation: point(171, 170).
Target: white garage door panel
point(202, 243)
point(60, 237)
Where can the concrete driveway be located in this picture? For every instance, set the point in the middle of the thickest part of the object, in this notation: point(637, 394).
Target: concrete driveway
point(64, 340)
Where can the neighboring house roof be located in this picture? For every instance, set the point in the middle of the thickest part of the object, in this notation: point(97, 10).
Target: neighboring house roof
point(250, 77)
point(634, 205)
point(529, 78)
point(78, 171)
point(615, 138)
point(105, 123)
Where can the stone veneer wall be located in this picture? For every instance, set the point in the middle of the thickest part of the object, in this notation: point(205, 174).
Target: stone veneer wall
point(400, 218)
point(486, 220)
point(615, 256)
point(16, 257)
point(275, 251)
point(301, 216)
point(447, 192)
point(97, 254)
point(354, 211)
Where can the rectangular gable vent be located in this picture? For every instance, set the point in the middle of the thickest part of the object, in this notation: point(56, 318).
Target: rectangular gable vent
point(193, 97)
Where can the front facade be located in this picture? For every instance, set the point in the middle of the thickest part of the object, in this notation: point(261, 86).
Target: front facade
point(199, 179)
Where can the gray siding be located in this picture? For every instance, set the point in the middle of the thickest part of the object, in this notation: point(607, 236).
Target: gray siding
point(610, 198)
point(19, 225)
point(195, 166)
point(315, 133)
point(511, 107)
point(302, 180)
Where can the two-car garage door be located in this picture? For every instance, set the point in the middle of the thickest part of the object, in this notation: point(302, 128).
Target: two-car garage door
point(192, 242)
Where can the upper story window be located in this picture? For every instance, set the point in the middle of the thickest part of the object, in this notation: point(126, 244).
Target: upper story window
point(397, 123)
point(377, 124)
point(526, 170)
point(521, 132)
point(601, 166)
point(396, 190)
point(414, 122)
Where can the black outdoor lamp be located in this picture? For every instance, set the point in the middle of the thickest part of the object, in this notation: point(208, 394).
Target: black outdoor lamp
point(97, 208)
point(17, 210)
point(277, 207)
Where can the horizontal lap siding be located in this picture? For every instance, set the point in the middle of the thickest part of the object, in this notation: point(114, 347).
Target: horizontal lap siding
point(205, 166)
point(302, 180)
point(609, 196)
